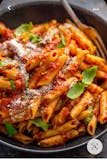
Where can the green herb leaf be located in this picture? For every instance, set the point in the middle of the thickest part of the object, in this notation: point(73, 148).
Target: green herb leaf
point(87, 120)
point(89, 75)
point(2, 64)
point(35, 38)
point(11, 130)
point(39, 123)
point(23, 28)
point(76, 90)
point(62, 43)
point(27, 80)
point(91, 115)
point(5, 62)
point(90, 108)
point(12, 84)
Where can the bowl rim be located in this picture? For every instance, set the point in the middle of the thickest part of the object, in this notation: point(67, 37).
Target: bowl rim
point(44, 151)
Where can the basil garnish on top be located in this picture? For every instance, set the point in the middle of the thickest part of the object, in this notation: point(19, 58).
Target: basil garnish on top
point(11, 130)
point(39, 123)
point(89, 74)
point(23, 28)
point(77, 89)
point(35, 38)
point(62, 43)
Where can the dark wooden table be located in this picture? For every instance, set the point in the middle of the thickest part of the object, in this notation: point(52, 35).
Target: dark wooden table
point(81, 152)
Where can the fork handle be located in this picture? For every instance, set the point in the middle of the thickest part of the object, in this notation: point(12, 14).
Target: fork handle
point(72, 14)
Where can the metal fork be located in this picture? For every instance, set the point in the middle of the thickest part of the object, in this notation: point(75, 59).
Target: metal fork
point(88, 30)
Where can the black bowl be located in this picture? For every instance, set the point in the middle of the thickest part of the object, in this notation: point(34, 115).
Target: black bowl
point(43, 11)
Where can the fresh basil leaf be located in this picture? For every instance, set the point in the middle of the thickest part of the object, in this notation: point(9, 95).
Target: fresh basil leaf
point(91, 115)
point(12, 84)
point(5, 62)
point(89, 75)
point(62, 43)
point(39, 123)
point(22, 28)
point(11, 130)
point(76, 90)
point(2, 64)
point(35, 38)
point(88, 119)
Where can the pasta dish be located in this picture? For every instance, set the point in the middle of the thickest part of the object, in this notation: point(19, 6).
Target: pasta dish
point(52, 83)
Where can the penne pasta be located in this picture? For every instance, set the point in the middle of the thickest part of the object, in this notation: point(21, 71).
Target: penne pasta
point(49, 110)
point(103, 108)
point(86, 99)
point(23, 138)
point(93, 88)
point(59, 90)
point(50, 74)
point(84, 114)
point(91, 127)
point(104, 85)
point(52, 84)
point(72, 124)
point(52, 141)
point(61, 117)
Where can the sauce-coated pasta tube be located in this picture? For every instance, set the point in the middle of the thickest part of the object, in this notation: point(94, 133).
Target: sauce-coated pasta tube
point(11, 73)
point(38, 72)
point(49, 110)
point(84, 114)
point(81, 38)
point(103, 108)
point(85, 100)
point(33, 62)
point(99, 74)
point(5, 83)
point(22, 126)
point(91, 127)
point(72, 124)
point(22, 138)
point(52, 71)
point(61, 117)
point(93, 88)
point(104, 84)
point(92, 59)
point(61, 89)
point(52, 141)
point(33, 107)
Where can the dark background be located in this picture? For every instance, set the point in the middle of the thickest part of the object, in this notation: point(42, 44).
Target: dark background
point(75, 153)
point(81, 152)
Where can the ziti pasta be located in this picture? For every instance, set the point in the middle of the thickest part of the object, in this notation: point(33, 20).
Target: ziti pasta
point(52, 84)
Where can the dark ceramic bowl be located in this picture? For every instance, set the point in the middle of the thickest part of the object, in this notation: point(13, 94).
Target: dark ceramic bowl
point(43, 11)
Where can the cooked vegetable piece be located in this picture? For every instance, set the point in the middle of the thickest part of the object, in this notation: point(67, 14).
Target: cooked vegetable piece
point(12, 84)
point(11, 130)
point(23, 28)
point(35, 38)
point(62, 43)
point(76, 90)
point(39, 123)
point(89, 75)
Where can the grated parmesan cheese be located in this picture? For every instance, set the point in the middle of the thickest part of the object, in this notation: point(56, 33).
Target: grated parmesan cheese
point(49, 35)
point(17, 47)
point(67, 25)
